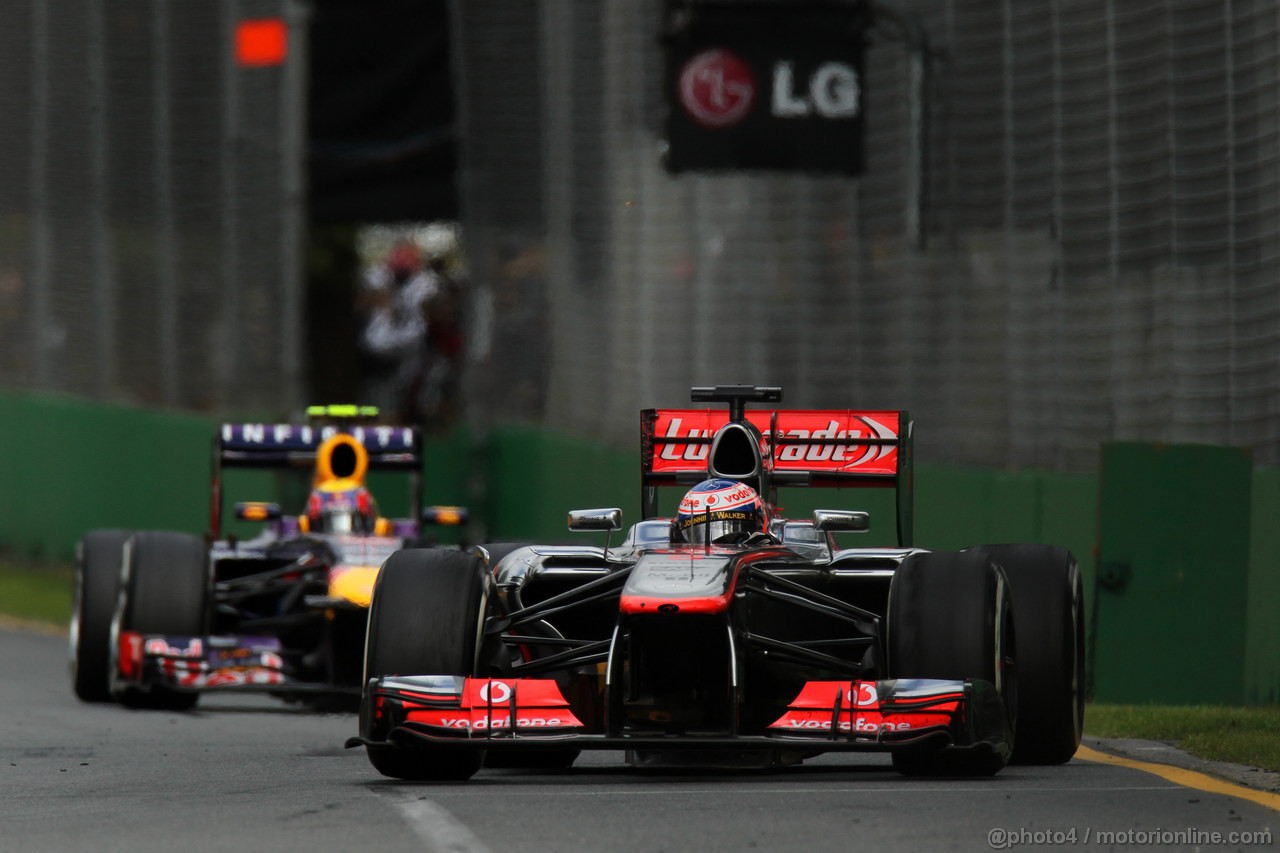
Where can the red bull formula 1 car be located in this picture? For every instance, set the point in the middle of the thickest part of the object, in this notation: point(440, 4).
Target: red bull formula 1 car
point(727, 635)
point(160, 617)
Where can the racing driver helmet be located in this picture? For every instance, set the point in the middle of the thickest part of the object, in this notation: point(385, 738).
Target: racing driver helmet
point(721, 512)
point(341, 510)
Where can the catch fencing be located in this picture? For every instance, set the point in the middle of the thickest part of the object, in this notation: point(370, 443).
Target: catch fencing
point(1086, 250)
point(150, 201)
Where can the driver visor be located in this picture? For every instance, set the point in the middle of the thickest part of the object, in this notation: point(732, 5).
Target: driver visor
point(713, 526)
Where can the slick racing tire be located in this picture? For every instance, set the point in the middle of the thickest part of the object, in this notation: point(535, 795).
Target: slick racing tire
point(166, 589)
point(950, 616)
point(96, 588)
point(426, 618)
point(1048, 600)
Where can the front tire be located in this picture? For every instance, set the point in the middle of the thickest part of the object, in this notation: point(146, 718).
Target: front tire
point(950, 617)
point(166, 590)
point(96, 589)
point(426, 618)
point(1049, 598)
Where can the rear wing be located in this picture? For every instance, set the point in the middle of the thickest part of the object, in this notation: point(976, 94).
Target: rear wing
point(798, 447)
point(294, 445)
point(288, 445)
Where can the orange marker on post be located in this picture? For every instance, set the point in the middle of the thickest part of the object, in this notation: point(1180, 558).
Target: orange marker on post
point(260, 43)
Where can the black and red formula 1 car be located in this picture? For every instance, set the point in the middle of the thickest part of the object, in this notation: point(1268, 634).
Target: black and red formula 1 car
point(756, 647)
point(160, 617)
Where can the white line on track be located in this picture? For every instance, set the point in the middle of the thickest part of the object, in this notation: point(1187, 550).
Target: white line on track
point(431, 822)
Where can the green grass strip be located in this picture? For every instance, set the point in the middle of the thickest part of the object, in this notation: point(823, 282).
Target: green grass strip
point(38, 593)
point(1240, 735)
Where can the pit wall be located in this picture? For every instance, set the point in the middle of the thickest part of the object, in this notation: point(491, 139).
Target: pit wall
point(69, 466)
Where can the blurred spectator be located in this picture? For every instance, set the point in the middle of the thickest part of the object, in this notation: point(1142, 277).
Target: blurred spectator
point(438, 397)
point(396, 296)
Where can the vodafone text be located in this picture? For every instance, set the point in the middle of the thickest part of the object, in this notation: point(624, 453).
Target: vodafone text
point(860, 724)
point(502, 723)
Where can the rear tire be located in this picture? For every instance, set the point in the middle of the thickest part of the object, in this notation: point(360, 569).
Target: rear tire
point(166, 590)
point(950, 617)
point(1049, 605)
point(426, 618)
point(96, 589)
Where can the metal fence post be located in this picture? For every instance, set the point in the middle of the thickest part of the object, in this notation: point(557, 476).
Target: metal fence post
point(41, 226)
point(165, 231)
point(226, 364)
point(102, 273)
point(293, 96)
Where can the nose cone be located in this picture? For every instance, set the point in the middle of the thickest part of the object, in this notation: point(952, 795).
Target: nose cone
point(683, 581)
point(353, 583)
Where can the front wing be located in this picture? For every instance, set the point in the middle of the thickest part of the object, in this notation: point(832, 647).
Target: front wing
point(826, 716)
point(199, 664)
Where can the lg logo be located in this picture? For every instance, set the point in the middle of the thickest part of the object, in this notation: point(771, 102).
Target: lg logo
point(718, 90)
point(834, 92)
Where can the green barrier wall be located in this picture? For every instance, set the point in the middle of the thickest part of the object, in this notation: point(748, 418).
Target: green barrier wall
point(1262, 640)
point(536, 477)
point(69, 466)
point(1174, 563)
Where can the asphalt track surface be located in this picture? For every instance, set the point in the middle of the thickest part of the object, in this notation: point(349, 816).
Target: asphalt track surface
point(248, 773)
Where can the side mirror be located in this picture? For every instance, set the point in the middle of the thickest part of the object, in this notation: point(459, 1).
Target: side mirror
point(257, 511)
point(445, 516)
point(581, 520)
point(841, 521)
